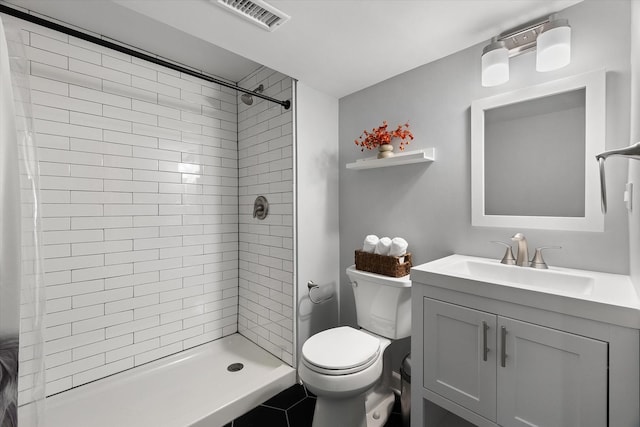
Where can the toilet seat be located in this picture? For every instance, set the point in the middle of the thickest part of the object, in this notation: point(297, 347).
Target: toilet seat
point(340, 351)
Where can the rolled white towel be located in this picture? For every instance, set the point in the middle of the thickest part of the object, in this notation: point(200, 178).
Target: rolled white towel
point(398, 247)
point(370, 243)
point(383, 246)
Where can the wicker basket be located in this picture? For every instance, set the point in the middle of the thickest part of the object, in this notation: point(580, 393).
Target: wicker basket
point(381, 264)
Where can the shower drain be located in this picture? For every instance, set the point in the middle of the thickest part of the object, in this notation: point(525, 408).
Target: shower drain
point(235, 367)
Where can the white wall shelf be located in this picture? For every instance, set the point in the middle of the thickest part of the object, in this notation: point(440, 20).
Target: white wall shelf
point(403, 158)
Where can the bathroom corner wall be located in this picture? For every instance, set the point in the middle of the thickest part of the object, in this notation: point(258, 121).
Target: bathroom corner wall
point(265, 161)
point(634, 166)
point(139, 197)
point(317, 190)
point(429, 204)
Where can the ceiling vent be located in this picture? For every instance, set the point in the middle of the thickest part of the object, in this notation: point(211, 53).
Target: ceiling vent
point(256, 11)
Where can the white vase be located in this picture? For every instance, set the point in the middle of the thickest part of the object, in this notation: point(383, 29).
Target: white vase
point(385, 150)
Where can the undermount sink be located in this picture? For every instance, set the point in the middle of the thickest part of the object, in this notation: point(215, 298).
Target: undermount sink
point(493, 271)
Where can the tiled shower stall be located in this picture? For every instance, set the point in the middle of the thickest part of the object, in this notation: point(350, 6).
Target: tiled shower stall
point(148, 178)
point(265, 165)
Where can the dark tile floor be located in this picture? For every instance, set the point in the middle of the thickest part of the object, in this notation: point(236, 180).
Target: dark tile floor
point(293, 408)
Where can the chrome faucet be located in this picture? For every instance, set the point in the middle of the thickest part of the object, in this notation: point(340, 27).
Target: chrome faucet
point(538, 261)
point(522, 259)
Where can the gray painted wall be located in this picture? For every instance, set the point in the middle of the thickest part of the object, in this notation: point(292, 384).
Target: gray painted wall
point(429, 204)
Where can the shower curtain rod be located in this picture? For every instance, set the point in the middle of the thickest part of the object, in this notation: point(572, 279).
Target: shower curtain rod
point(123, 49)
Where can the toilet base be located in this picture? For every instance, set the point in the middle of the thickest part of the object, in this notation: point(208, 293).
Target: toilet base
point(340, 412)
point(379, 405)
point(364, 410)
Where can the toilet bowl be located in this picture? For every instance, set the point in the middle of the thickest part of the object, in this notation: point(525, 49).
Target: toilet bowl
point(339, 365)
point(343, 366)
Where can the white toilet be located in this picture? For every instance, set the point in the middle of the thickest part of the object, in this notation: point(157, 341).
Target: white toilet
point(343, 366)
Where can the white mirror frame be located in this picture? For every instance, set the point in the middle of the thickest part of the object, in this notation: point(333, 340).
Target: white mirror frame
point(594, 84)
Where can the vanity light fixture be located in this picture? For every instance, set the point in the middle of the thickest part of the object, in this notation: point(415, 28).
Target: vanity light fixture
point(554, 45)
point(495, 64)
point(551, 37)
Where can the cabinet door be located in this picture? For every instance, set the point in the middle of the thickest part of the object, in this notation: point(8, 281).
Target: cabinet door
point(460, 355)
point(550, 378)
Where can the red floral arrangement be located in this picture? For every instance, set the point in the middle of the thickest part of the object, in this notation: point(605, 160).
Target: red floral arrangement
point(380, 136)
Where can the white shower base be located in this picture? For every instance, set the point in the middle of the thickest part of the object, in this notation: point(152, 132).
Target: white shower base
point(192, 388)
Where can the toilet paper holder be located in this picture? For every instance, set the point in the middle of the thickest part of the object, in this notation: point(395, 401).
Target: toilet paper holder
point(323, 292)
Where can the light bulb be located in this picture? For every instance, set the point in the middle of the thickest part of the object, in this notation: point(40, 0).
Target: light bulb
point(495, 64)
point(554, 46)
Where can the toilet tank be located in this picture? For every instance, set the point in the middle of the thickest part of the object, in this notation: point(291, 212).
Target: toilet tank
point(383, 303)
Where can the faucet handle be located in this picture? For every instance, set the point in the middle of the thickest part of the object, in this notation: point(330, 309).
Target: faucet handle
point(538, 261)
point(508, 257)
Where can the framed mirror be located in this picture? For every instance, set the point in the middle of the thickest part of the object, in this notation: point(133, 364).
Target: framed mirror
point(533, 156)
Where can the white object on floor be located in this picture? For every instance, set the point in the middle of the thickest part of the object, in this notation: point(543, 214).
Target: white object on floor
point(192, 388)
point(398, 247)
point(370, 243)
point(383, 246)
point(379, 403)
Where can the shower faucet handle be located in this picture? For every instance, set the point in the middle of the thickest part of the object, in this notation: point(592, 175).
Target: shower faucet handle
point(260, 207)
point(508, 257)
point(538, 261)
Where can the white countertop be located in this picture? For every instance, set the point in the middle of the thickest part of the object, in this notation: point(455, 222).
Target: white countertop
point(612, 298)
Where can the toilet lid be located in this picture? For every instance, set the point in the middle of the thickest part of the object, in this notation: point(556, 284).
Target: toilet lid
point(340, 348)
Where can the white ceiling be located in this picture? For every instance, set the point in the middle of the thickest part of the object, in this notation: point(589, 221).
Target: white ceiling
point(335, 46)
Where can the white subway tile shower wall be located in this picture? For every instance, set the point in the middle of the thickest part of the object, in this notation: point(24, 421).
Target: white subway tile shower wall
point(265, 163)
point(139, 182)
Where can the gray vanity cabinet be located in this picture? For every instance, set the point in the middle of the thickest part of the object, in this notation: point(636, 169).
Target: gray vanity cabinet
point(455, 365)
point(550, 377)
point(511, 372)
